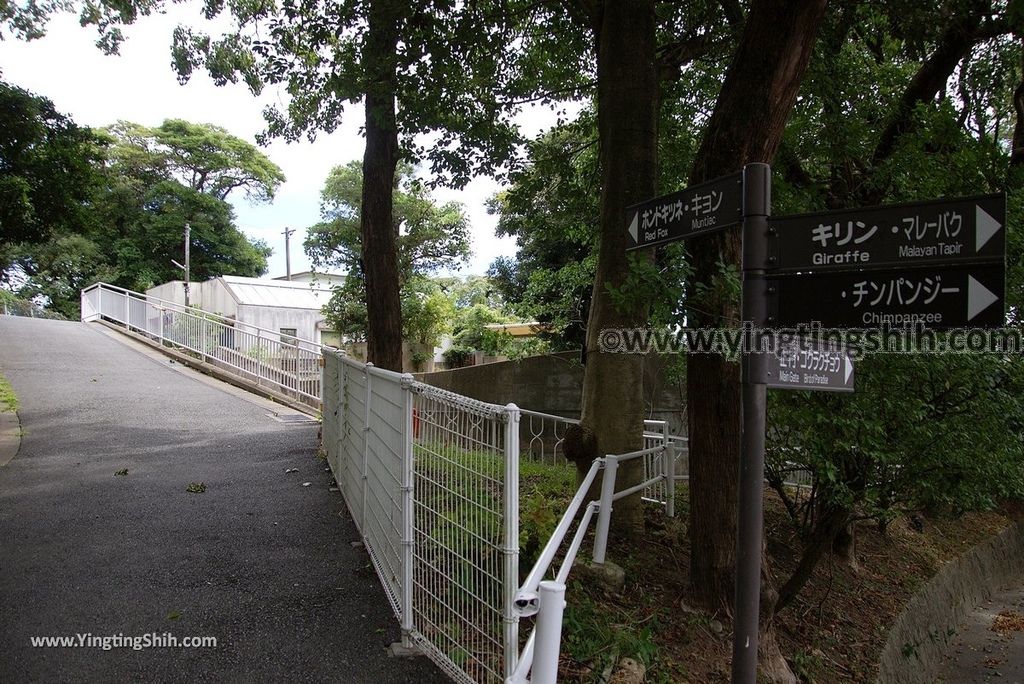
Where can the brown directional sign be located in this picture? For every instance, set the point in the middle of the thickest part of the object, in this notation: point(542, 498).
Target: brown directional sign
point(938, 297)
point(808, 365)
point(920, 234)
point(703, 208)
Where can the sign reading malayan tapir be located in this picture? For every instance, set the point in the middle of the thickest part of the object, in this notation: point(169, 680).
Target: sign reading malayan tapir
point(919, 234)
point(939, 264)
point(698, 209)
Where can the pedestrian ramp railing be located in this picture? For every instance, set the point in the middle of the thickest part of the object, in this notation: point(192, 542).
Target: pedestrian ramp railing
point(285, 366)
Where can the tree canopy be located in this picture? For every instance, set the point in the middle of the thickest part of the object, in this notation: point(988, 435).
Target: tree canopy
point(82, 205)
point(48, 167)
point(429, 238)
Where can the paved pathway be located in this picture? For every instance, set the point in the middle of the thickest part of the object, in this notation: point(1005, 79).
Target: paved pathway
point(258, 561)
point(980, 654)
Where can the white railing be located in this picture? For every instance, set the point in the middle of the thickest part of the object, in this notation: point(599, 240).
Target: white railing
point(545, 599)
point(431, 480)
point(286, 365)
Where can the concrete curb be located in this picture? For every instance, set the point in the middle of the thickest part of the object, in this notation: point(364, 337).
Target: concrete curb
point(10, 436)
point(921, 634)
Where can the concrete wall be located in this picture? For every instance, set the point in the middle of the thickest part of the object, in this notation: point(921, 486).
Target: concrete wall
point(215, 298)
point(273, 318)
point(553, 384)
point(921, 634)
point(174, 291)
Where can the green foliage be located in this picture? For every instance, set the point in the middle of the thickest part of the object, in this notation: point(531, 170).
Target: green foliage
point(8, 399)
point(594, 632)
point(457, 357)
point(113, 206)
point(47, 170)
point(471, 330)
point(940, 433)
point(322, 58)
point(203, 157)
point(544, 492)
point(431, 237)
point(426, 312)
point(551, 209)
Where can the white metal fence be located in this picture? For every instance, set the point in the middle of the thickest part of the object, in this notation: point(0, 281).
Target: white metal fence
point(431, 480)
point(286, 365)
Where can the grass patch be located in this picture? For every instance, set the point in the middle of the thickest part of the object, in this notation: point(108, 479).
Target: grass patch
point(8, 399)
point(196, 488)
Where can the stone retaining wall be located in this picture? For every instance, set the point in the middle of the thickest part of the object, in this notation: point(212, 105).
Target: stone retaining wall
point(921, 634)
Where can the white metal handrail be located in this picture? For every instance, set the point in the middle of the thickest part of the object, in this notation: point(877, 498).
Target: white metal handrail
point(285, 364)
point(538, 661)
point(209, 315)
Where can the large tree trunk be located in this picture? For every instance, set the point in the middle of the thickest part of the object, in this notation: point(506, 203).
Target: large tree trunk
point(377, 228)
point(746, 126)
point(613, 407)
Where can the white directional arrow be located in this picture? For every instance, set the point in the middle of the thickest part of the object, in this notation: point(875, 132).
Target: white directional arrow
point(633, 227)
point(986, 227)
point(979, 298)
point(848, 369)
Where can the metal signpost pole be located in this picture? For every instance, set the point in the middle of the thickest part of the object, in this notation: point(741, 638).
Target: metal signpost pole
point(754, 307)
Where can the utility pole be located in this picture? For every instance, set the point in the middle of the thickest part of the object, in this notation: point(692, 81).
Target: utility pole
point(187, 266)
point(287, 254)
point(188, 261)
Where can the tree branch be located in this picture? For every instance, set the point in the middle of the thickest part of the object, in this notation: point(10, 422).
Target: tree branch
point(955, 44)
point(671, 58)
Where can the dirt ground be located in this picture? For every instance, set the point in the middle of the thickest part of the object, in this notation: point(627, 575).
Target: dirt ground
point(833, 632)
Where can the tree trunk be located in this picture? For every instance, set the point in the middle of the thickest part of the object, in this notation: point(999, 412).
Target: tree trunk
point(844, 547)
point(1017, 153)
point(746, 126)
point(627, 95)
point(377, 228)
point(828, 527)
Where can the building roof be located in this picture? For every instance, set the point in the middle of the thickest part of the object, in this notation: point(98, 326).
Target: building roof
point(322, 279)
point(276, 293)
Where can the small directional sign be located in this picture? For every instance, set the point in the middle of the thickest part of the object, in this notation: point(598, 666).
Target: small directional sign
point(809, 364)
point(938, 297)
point(699, 209)
point(919, 234)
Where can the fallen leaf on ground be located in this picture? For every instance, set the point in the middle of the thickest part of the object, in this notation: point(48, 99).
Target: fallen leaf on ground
point(1008, 621)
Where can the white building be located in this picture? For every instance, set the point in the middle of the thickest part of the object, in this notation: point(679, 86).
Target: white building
point(290, 308)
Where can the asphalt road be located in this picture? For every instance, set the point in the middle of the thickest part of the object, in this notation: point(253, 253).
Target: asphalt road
point(258, 561)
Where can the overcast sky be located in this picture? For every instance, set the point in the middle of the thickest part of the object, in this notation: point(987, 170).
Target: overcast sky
point(140, 86)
